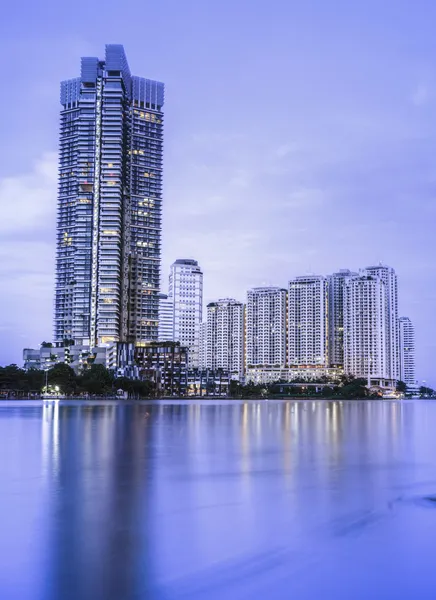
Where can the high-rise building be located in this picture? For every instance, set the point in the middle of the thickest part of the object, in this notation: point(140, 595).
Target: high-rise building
point(266, 327)
point(307, 321)
point(186, 292)
point(336, 284)
point(389, 277)
point(166, 319)
point(225, 336)
point(109, 204)
point(365, 327)
point(407, 352)
point(202, 353)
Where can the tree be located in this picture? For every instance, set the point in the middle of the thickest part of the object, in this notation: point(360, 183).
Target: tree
point(401, 387)
point(426, 391)
point(355, 388)
point(96, 380)
point(63, 376)
point(46, 345)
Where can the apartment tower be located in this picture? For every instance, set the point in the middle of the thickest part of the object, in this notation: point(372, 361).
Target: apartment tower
point(266, 327)
point(109, 204)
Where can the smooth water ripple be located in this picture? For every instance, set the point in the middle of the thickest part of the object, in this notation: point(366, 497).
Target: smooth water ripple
point(234, 500)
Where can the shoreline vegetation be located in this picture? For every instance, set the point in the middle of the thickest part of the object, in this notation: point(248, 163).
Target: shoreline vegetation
point(99, 383)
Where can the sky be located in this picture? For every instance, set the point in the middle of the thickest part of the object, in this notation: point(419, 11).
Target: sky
point(300, 137)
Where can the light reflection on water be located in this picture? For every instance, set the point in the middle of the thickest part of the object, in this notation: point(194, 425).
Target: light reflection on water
point(217, 500)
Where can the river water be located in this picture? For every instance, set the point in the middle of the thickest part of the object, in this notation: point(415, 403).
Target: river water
point(218, 500)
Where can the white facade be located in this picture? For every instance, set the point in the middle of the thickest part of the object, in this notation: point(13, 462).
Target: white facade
point(202, 360)
point(264, 375)
point(166, 319)
point(225, 336)
point(407, 352)
point(186, 292)
point(389, 277)
point(336, 284)
point(307, 321)
point(266, 326)
point(365, 328)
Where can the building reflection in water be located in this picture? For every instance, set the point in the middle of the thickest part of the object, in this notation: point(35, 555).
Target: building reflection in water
point(156, 501)
point(96, 464)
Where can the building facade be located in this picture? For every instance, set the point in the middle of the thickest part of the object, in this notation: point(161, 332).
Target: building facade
point(166, 365)
point(109, 204)
point(389, 277)
point(266, 327)
point(308, 321)
point(365, 328)
point(336, 285)
point(225, 336)
point(166, 319)
point(186, 293)
point(407, 352)
point(202, 354)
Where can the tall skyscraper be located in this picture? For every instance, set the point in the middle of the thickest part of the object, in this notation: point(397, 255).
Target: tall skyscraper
point(225, 336)
point(266, 326)
point(109, 204)
point(366, 338)
point(389, 277)
point(407, 351)
point(336, 285)
point(186, 292)
point(307, 321)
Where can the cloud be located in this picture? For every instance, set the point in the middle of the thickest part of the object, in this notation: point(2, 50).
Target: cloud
point(27, 251)
point(28, 200)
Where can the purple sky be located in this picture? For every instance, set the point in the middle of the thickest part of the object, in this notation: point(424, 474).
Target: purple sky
point(299, 137)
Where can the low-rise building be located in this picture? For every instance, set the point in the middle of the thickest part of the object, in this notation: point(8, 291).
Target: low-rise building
point(265, 375)
point(166, 365)
point(208, 382)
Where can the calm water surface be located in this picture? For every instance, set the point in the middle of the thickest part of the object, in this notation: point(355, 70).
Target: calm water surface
point(276, 500)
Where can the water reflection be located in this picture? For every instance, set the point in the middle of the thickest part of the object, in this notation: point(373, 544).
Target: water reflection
point(235, 500)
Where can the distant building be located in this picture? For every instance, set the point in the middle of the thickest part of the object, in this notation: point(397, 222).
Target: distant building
point(186, 293)
point(225, 336)
point(202, 354)
point(336, 285)
point(389, 277)
point(366, 328)
point(166, 319)
point(266, 375)
point(307, 321)
point(407, 352)
point(266, 327)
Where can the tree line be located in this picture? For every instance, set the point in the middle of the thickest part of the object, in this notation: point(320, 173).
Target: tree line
point(96, 380)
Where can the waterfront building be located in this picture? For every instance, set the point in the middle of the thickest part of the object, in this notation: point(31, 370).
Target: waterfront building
point(78, 356)
point(407, 352)
point(307, 321)
point(166, 318)
point(389, 277)
point(266, 327)
point(208, 382)
point(225, 336)
point(366, 338)
point(271, 374)
point(166, 365)
point(336, 284)
point(186, 293)
point(202, 356)
point(109, 204)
